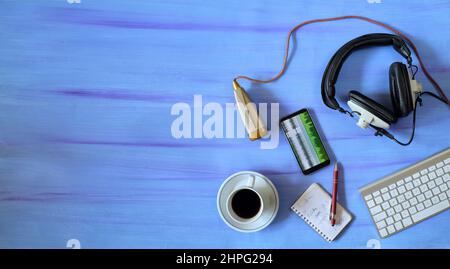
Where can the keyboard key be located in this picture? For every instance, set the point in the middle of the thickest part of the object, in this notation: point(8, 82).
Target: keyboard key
point(427, 203)
point(435, 200)
point(380, 216)
point(386, 196)
point(405, 205)
point(397, 217)
point(385, 205)
point(398, 208)
point(447, 161)
point(407, 221)
point(401, 189)
point(370, 203)
point(381, 224)
point(424, 172)
point(383, 232)
point(448, 193)
point(398, 225)
point(392, 186)
point(393, 202)
point(442, 196)
point(376, 193)
point(383, 190)
point(408, 195)
point(412, 210)
point(368, 197)
point(416, 191)
point(439, 164)
point(416, 182)
point(420, 207)
point(439, 172)
point(413, 201)
point(423, 188)
point(378, 200)
point(409, 186)
point(430, 211)
point(394, 193)
point(431, 168)
point(375, 210)
point(391, 229)
point(446, 177)
point(400, 182)
point(428, 194)
point(436, 191)
point(431, 184)
point(439, 181)
point(401, 198)
point(405, 213)
point(424, 179)
point(443, 187)
point(416, 175)
point(421, 197)
point(447, 168)
point(389, 220)
point(390, 212)
point(432, 175)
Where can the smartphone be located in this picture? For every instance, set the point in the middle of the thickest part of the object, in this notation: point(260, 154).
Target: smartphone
point(305, 141)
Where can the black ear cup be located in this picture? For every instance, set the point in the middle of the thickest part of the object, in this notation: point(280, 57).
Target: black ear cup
point(373, 107)
point(400, 88)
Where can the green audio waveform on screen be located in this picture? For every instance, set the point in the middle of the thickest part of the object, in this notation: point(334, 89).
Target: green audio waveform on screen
point(313, 136)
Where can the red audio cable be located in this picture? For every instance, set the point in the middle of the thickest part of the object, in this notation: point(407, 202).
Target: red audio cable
point(286, 54)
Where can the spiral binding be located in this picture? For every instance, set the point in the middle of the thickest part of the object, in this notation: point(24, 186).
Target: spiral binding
point(311, 224)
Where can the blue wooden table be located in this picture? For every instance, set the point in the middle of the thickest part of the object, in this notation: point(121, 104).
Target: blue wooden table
point(87, 156)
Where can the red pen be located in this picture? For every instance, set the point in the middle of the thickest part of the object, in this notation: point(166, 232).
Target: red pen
point(334, 196)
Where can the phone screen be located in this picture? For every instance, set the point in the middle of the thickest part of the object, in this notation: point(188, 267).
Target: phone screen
point(305, 141)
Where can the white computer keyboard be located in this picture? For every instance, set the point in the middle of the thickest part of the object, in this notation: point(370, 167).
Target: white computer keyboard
point(411, 195)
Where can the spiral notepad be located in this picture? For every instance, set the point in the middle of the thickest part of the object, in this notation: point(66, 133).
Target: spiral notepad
point(314, 208)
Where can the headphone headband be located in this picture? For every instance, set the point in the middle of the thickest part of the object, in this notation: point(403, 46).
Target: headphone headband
point(334, 66)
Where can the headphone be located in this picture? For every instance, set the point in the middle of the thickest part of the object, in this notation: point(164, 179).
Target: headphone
point(404, 89)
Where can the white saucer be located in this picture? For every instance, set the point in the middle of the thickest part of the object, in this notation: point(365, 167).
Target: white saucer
point(269, 196)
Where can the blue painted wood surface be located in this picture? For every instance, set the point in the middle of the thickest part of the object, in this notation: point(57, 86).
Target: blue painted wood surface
point(86, 90)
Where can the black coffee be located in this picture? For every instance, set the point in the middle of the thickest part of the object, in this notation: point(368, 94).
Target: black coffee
point(246, 203)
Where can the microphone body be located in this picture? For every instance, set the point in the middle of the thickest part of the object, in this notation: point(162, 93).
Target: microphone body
point(249, 115)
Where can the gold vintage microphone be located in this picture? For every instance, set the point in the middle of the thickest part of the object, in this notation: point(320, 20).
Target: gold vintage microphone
point(247, 109)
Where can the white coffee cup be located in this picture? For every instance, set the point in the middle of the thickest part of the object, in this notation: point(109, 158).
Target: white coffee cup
point(257, 205)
